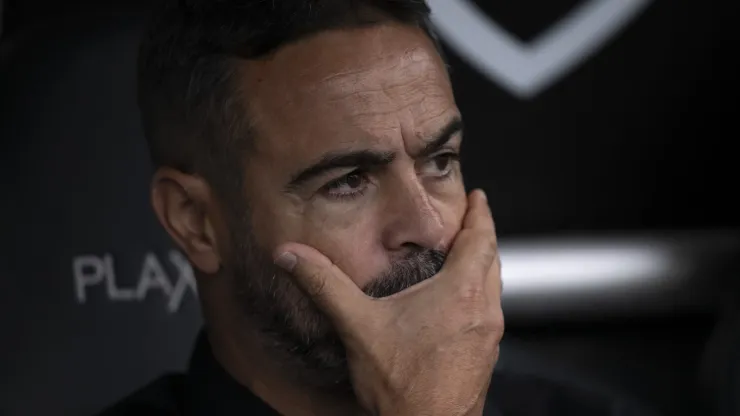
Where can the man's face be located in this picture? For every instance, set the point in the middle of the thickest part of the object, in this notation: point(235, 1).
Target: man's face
point(357, 137)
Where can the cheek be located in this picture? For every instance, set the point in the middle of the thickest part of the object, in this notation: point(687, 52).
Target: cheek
point(352, 243)
point(350, 238)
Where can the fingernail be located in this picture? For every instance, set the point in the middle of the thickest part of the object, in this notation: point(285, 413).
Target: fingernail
point(286, 261)
point(483, 194)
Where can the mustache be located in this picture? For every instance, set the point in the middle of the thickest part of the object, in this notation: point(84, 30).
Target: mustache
point(414, 268)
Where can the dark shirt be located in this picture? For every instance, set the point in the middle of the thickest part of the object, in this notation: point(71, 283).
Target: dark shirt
point(208, 390)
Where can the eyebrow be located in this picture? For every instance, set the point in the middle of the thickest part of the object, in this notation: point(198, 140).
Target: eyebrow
point(440, 139)
point(365, 159)
point(371, 159)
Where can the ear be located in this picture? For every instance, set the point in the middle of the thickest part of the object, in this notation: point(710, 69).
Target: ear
point(185, 207)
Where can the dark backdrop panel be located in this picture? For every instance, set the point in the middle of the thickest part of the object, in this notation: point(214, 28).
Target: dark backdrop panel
point(637, 136)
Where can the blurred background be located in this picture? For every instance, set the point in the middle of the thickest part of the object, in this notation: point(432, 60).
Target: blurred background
point(602, 131)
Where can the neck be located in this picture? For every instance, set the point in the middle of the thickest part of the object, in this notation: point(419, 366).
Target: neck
point(271, 382)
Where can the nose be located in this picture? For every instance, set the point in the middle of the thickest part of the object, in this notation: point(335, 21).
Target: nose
point(411, 220)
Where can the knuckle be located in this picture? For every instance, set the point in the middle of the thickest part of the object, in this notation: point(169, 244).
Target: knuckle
point(471, 293)
point(492, 323)
point(480, 236)
point(482, 248)
point(316, 284)
point(485, 321)
point(482, 326)
point(486, 244)
point(491, 245)
point(498, 324)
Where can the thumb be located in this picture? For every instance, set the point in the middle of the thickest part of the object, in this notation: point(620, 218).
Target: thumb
point(327, 285)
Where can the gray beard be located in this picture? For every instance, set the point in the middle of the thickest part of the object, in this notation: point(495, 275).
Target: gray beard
point(292, 329)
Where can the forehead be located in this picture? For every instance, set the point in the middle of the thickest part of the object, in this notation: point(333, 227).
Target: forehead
point(353, 85)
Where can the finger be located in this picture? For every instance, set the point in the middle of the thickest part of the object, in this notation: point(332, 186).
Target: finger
point(478, 215)
point(472, 254)
point(475, 247)
point(494, 283)
point(329, 287)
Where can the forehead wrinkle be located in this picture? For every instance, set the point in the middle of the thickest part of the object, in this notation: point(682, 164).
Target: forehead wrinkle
point(427, 111)
point(414, 65)
point(416, 98)
point(377, 112)
point(383, 127)
point(388, 116)
point(380, 83)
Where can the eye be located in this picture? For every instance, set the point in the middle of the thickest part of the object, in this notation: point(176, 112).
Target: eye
point(440, 165)
point(349, 186)
point(443, 162)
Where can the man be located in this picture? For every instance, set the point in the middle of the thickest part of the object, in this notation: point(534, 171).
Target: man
point(307, 156)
